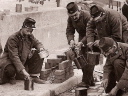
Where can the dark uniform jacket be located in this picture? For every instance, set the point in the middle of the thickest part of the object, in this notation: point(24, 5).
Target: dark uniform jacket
point(79, 26)
point(17, 50)
point(112, 24)
point(125, 10)
point(122, 53)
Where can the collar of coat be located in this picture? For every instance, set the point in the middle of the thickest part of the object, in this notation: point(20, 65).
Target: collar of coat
point(118, 53)
point(20, 35)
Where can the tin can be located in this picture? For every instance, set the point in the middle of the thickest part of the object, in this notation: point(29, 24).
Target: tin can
point(81, 91)
point(29, 84)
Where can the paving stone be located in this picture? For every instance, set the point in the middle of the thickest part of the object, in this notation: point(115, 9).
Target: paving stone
point(65, 64)
point(59, 72)
point(62, 76)
point(45, 73)
point(52, 63)
point(63, 57)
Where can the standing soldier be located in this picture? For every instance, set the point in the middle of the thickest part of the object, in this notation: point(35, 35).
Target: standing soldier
point(115, 73)
point(106, 23)
point(77, 21)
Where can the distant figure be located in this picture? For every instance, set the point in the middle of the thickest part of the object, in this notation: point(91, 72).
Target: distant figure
point(125, 9)
point(111, 4)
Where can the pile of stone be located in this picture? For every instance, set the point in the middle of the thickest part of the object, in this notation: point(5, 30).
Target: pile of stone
point(57, 70)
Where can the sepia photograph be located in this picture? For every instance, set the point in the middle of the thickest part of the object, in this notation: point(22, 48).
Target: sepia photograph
point(63, 48)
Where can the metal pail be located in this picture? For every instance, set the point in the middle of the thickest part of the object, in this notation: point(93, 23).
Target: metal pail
point(93, 58)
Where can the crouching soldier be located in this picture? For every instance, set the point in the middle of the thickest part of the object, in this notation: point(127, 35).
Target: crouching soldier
point(18, 61)
point(115, 73)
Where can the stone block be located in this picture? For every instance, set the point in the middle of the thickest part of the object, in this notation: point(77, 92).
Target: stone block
point(65, 64)
point(58, 80)
point(59, 72)
point(63, 57)
point(71, 74)
point(45, 73)
point(60, 76)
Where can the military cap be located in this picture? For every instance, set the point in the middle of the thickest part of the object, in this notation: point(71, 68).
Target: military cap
point(72, 7)
point(105, 43)
point(29, 22)
point(96, 10)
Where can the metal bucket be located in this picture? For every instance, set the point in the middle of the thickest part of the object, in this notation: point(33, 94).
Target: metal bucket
point(29, 84)
point(93, 58)
point(80, 62)
point(81, 91)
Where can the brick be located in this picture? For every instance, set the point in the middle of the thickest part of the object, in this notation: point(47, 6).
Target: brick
point(93, 94)
point(63, 57)
point(45, 73)
point(71, 69)
point(47, 65)
point(64, 64)
point(60, 76)
point(67, 75)
point(58, 80)
point(59, 72)
point(71, 74)
point(53, 62)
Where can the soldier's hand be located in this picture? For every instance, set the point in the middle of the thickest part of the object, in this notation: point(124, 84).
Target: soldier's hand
point(104, 83)
point(96, 43)
point(79, 45)
point(90, 44)
point(41, 49)
point(26, 75)
point(72, 43)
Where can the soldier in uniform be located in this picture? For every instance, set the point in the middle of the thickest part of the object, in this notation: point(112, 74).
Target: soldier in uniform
point(115, 71)
point(106, 23)
point(18, 60)
point(77, 21)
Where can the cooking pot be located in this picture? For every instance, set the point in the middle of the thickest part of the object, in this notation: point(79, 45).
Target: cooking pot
point(93, 58)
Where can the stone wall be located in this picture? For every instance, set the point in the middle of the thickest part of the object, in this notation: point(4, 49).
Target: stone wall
point(51, 25)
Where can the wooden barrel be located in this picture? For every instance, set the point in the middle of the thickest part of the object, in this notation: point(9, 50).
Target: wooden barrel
point(81, 91)
point(18, 7)
point(93, 58)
